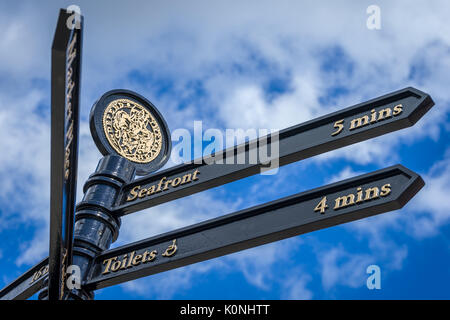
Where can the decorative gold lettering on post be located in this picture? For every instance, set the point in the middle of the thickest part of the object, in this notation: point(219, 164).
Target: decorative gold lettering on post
point(39, 274)
point(72, 53)
point(367, 119)
point(370, 193)
point(164, 184)
point(134, 259)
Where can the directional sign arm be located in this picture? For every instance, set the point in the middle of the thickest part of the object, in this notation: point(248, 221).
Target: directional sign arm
point(334, 204)
point(370, 119)
point(27, 284)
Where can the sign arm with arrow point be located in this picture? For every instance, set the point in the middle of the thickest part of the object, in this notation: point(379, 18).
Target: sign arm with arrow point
point(27, 284)
point(295, 143)
point(134, 139)
point(349, 200)
point(366, 120)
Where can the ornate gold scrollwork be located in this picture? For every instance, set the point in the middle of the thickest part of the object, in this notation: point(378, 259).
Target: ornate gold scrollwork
point(132, 131)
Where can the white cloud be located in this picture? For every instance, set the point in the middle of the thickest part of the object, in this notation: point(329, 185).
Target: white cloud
point(345, 267)
point(346, 173)
point(35, 249)
point(295, 286)
point(233, 50)
point(26, 154)
point(423, 216)
point(247, 107)
point(257, 264)
point(338, 267)
point(174, 215)
point(430, 210)
point(165, 285)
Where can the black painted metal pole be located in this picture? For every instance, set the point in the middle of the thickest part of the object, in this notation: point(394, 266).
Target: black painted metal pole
point(65, 109)
point(95, 227)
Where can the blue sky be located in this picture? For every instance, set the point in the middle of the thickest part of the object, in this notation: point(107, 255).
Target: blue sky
point(256, 64)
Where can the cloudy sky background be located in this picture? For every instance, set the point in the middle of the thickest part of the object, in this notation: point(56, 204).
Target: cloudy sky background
point(234, 64)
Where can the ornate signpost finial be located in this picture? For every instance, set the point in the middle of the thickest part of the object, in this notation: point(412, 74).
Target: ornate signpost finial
point(126, 124)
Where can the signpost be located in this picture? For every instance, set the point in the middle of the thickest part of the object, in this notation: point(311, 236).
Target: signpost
point(391, 112)
point(352, 199)
point(66, 75)
point(134, 139)
point(27, 284)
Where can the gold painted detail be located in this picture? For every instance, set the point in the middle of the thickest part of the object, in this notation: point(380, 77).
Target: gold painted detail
point(132, 131)
point(72, 53)
point(63, 274)
point(368, 119)
point(170, 251)
point(39, 274)
point(163, 185)
point(134, 259)
point(360, 196)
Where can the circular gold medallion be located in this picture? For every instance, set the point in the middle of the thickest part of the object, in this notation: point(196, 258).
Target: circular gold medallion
point(132, 131)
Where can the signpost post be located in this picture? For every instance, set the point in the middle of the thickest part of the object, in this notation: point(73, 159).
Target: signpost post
point(66, 76)
point(134, 139)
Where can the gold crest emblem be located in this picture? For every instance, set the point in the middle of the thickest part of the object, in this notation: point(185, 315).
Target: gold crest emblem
point(132, 131)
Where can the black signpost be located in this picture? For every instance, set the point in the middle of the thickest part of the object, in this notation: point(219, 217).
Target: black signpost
point(356, 198)
point(27, 284)
point(394, 111)
point(66, 69)
point(134, 139)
